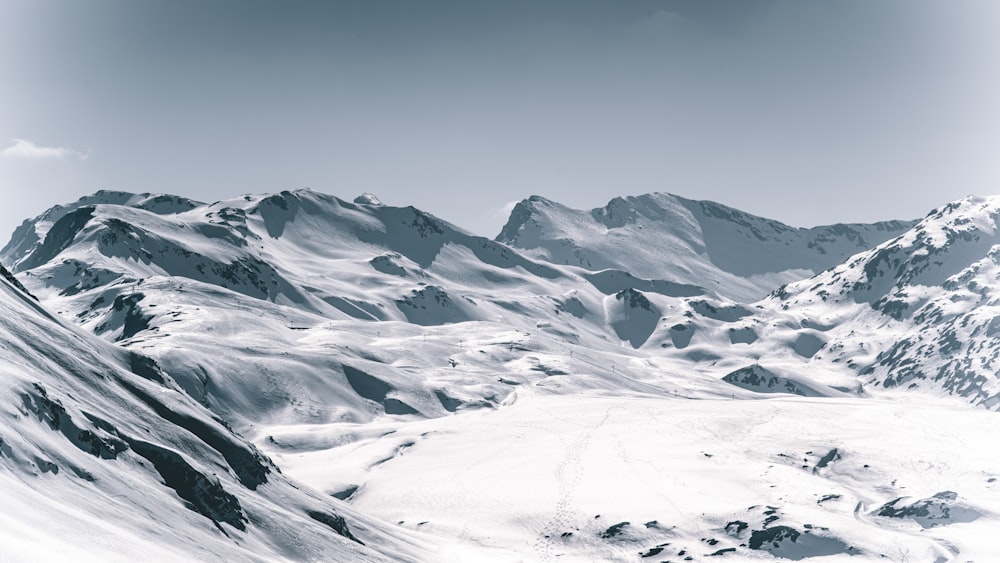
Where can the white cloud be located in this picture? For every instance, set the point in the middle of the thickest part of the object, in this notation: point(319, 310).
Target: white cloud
point(21, 148)
point(504, 212)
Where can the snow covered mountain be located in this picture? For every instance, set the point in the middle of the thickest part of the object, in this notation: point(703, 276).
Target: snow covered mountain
point(920, 310)
point(292, 270)
point(263, 272)
point(915, 312)
point(583, 388)
point(104, 457)
point(660, 236)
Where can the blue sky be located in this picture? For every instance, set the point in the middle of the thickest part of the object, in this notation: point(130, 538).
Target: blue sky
point(805, 111)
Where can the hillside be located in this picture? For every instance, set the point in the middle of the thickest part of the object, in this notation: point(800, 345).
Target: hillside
point(730, 253)
point(103, 456)
point(923, 305)
point(513, 406)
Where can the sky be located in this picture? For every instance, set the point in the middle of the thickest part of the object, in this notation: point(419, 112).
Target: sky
point(806, 111)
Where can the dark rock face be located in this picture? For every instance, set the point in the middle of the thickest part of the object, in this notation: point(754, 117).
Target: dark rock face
point(940, 509)
point(637, 317)
point(5, 273)
point(634, 299)
point(94, 441)
point(614, 531)
point(374, 389)
point(145, 367)
point(742, 335)
point(807, 344)
point(277, 211)
point(206, 496)
point(724, 313)
point(389, 263)
point(789, 543)
point(366, 385)
point(760, 379)
point(828, 458)
point(773, 537)
point(449, 403)
point(395, 406)
point(681, 334)
point(431, 305)
point(335, 523)
point(249, 465)
point(59, 237)
point(135, 321)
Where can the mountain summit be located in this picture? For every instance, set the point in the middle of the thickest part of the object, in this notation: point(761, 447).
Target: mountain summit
point(927, 302)
point(662, 236)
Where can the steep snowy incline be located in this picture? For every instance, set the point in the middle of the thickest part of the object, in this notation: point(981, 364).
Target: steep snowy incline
point(918, 311)
point(104, 457)
point(288, 286)
point(32, 232)
point(301, 249)
point(665, 237)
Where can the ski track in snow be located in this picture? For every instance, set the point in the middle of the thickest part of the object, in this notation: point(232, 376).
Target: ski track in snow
point(567, 473)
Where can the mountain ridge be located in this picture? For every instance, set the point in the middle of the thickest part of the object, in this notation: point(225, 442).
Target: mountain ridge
point(937, 284)
point(102, 443)
point(363, 348)
point(742, 256)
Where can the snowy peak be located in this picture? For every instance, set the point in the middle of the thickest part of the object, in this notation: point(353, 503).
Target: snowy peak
point(728, 252)
point(123, 224)
point(523, 229)
point(33, 231)
point(367, 198)
point(731, 236)
point(948, 248)
point(302, 249)
point(920, 307)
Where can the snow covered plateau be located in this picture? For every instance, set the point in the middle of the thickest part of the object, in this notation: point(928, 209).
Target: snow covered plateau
point(295, 377)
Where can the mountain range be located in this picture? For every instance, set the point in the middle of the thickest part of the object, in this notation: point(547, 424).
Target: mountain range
point(293, 376)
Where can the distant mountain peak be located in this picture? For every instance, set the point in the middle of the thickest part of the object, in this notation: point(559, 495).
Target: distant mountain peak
point(518, 222)
point(934, 290)
point(661, 236)
point(368, 198)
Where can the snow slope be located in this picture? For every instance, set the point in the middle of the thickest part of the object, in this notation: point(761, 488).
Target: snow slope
point(283, 275)
point(578, 477)
point(921, 308)
point(493, 396)
point(104, 457)
point(259, 273)
point(660, 236)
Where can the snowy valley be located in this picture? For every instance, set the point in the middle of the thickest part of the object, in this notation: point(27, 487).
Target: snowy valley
point(293, 376)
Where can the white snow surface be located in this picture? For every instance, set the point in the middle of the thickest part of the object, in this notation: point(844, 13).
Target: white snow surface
point(729, 253)
point(918, 311)
point(477, 401)
point(548, 477)
point(103, 457)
